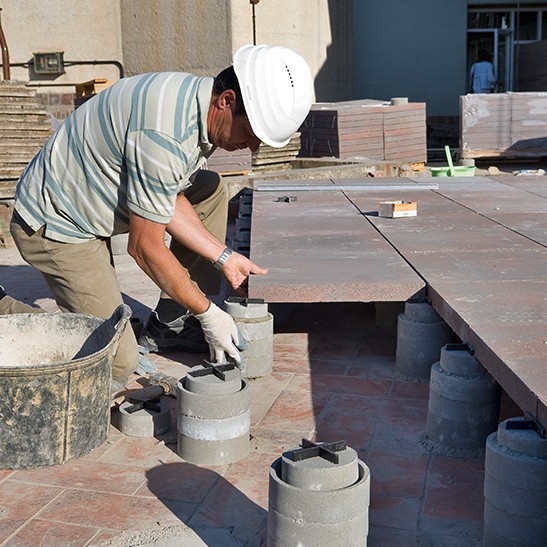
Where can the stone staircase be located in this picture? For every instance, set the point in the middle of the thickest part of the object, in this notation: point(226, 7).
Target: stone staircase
point(24, 128)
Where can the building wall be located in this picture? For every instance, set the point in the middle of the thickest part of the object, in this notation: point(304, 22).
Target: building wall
point(411, 48)
point(84, 31)
point(191, 35)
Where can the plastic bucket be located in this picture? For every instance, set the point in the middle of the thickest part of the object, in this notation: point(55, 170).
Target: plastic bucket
point(457, 171)
point(55, 373)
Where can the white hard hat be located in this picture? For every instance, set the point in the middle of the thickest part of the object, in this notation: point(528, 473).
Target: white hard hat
point(277, 89)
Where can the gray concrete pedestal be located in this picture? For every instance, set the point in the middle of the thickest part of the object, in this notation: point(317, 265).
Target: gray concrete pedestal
point(421, 333)
point(256, 325)
point(318, 502)
point(213, 415)
point(515, 486)
point(464, 404)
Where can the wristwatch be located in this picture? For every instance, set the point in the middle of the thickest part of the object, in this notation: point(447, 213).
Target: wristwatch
point(223, 258)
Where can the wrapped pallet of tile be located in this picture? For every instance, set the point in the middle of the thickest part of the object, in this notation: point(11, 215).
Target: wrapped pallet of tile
point(508, 125)
point(376, 130)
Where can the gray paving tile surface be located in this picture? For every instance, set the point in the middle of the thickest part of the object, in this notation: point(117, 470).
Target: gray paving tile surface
point(478, 242)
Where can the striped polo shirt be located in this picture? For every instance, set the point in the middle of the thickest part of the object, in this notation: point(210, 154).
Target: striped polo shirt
point(132, 148)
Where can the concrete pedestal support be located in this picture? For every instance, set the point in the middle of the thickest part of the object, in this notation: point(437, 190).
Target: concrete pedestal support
point(256, 325)
point(464, 404)
point(213, 415)
point(515, 485)
point(421, 333)
point(316, 501)
point(145, 420)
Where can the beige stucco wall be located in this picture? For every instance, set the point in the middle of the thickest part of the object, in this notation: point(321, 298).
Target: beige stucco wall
point(198, 36)
point(83, 30)
point(187, 35)
point(320, 30)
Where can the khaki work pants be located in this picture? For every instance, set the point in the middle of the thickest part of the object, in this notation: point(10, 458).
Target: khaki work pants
point(82, 276)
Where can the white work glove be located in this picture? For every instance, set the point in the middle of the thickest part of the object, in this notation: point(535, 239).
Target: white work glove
point(221, 334)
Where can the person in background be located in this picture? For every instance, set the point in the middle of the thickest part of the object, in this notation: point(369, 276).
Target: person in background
point(130, 160)
point(482, 75)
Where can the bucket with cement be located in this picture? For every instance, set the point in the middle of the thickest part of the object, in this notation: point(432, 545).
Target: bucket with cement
point(55, 374)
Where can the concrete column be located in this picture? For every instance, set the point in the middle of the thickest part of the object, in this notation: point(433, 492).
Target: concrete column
point(515, 485)
point(319, 495)
point(213, 415)
point(256, 325)
point(421, 333)
point(464, 404)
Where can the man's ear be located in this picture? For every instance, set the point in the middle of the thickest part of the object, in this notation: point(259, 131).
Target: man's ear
point(226, 98)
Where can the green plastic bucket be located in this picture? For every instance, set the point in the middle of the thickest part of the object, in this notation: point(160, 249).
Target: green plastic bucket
point(457, 171)
point(55, 371)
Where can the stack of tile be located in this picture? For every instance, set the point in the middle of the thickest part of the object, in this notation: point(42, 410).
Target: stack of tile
point(237, 162)
point(366, 128)
point(267, 158)
point(510, 125)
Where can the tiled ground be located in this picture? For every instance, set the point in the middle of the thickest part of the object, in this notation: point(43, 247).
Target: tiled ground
point(333, 379)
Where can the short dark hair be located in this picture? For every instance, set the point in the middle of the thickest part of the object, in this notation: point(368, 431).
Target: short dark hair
point(227, 79)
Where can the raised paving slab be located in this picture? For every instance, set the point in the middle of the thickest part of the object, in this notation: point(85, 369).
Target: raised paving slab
point(320, 249)
point(478, 242)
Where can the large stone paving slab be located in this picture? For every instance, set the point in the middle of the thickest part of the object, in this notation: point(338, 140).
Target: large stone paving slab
point(478, 242)
point(320, 248)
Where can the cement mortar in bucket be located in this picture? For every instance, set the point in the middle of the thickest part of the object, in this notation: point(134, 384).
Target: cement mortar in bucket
point(55, 371)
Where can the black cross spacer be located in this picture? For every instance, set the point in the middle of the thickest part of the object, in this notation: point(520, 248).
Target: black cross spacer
point(212, 368)
point(244, 301)
point(327, 451)
point(137, 404)
point(529, 423)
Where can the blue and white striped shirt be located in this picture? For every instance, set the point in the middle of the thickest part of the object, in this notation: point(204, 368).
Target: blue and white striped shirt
point(132, 148)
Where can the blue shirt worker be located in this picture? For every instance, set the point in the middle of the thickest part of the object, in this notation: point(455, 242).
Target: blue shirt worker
point(481, 74)
point(130, 161)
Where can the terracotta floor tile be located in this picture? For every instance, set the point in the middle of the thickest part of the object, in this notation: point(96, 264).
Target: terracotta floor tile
point(141, 451)
point(290, 351)
point(267, 441)
point(396, 474)
point(373, 366)
point(339, 384)
point(455, 489)
point(5, 473)
point(291, 338)
point(288, 364)
point(51, 534)
point(409, 390)
point(294, 410)
point(345, 423)
point(255, 467)
point(394, 512)
point(116, 511)
point(402, 419)
point(329, 367)
point(88, 475)
point(183, 482)
point(264, 391)
point(380, 536)
point(19, 502)
point(228, 506)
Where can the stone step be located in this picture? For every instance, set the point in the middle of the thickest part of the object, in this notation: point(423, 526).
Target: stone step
point(10, 173)
point(18, 133)
point(15, 160)
point(7, 101)
point(13, 108)
point(16, 89)
point(24, 119)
